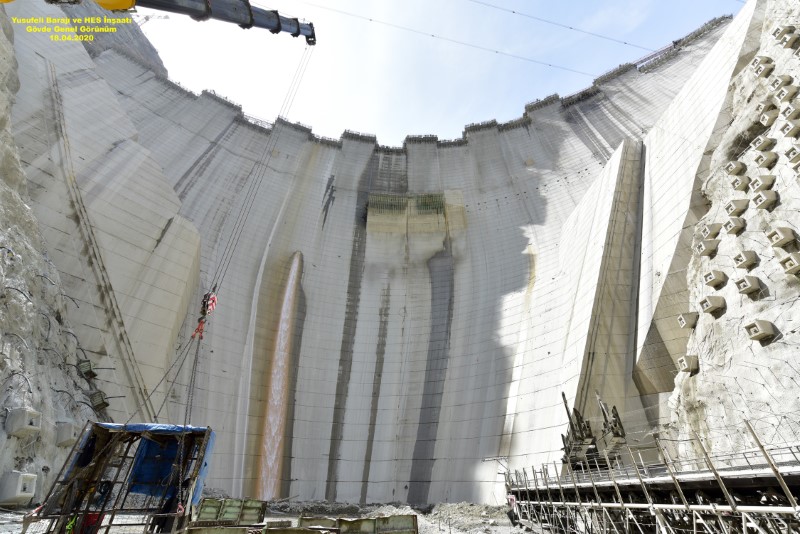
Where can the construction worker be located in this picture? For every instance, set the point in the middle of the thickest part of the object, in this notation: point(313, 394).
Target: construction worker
point(207, 306)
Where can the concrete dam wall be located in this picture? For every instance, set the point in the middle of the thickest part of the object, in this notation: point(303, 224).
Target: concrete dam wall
point(399, 323)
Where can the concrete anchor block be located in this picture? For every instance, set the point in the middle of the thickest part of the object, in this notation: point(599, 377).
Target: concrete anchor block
point(735, 167)
point(736, 206)
point(687, 320)
point(790, 40)
point(790, 112)
point(765, 199)
point(791, 263)
point(765, 106)
point(67, 433)
point(791, 129)
point(740, 183)
point(760, 60)
point(779, 31)
point(714, 278)
point(86, 369)
point(781, 236)
point(762, 143)
point(768, 117)
point(761, 183)
point(734, 225)
point(712, 303)
point(764, 70)
point(98, 400)
point(689, 364)
point(23, 422)
point(747, 285)
point(793, 154)
point(786, 93)
point(710, 230)
point(707, 247)
point(17, 487)
point(766, 160)
point(745, 259)
point(759, 329)
point(779, 80)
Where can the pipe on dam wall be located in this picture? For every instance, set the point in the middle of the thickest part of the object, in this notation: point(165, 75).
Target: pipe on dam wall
point(274, 425)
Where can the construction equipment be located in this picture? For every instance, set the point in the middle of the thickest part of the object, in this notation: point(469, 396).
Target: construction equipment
point(239, 12)
point(580, 444)
point(141, 474)
point(149, 477)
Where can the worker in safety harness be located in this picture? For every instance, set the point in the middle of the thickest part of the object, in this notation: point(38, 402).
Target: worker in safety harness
point(207, 306)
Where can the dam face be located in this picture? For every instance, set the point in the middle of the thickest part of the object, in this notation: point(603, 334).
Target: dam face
point(399, 323)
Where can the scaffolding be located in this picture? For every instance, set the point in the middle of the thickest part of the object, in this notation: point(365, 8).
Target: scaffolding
point(126, 478)
point(746, 491)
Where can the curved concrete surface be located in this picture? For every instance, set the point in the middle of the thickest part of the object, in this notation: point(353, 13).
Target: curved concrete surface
point(394, 324)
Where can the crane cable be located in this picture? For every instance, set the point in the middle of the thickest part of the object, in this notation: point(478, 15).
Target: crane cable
point(450, 40)
point(258, 173)
point(183, 456)
point(560, 25)
point(187, 413)
point(180, 358)
point(259, 170)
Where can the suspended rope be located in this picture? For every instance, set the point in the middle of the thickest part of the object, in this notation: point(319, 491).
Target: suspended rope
point(187, 417)
point(450, 40)
point(181, 357)
point(258, 172)
point(209, 300)
point(560, 25)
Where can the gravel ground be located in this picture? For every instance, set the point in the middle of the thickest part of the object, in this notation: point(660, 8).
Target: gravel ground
point(450, 518)
point(10, 521)
point(464, 518)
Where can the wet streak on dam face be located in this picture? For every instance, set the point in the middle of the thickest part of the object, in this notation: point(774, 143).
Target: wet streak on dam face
point(349, 329)
point(277, 423)
point(440, 268)
point(385, 172)
point(380, 354)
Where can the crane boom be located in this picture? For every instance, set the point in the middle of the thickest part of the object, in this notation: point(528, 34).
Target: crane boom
point(237, 11)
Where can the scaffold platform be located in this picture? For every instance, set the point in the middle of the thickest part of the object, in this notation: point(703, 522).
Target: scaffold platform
point(746, 491)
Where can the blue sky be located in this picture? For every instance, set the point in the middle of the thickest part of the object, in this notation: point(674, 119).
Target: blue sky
point(372, 78)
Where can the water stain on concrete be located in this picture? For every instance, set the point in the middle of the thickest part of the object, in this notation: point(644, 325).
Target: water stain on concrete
point(440, 267)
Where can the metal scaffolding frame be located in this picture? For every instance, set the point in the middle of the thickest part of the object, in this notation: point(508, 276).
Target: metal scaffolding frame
point(747, 491)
